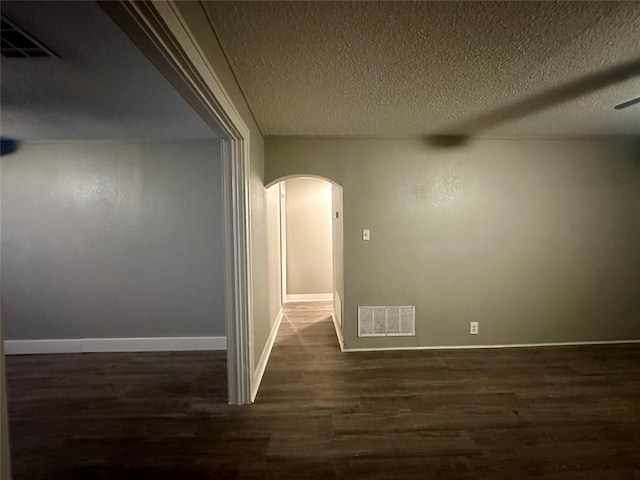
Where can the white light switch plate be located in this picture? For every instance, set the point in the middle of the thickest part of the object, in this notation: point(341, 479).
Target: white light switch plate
point(366, 234)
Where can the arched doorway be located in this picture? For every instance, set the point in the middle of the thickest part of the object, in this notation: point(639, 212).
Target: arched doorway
point(305, 224)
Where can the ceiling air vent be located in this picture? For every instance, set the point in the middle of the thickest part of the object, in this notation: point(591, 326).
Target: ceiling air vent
point(16, 43)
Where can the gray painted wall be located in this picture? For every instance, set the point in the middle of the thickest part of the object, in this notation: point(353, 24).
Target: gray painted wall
point(535, 239)
point(108, 239)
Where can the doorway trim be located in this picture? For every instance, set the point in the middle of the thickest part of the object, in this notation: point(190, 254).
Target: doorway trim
point(161, 32)
point(282, 203)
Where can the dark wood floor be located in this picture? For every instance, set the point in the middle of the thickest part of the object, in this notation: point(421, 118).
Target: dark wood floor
point(552, 413)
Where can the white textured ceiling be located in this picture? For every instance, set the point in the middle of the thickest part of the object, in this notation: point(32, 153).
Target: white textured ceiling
point(405, 69)
point(101, 87)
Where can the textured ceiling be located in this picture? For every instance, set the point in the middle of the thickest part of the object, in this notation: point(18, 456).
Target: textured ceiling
point(406, 69)
point(101, 87)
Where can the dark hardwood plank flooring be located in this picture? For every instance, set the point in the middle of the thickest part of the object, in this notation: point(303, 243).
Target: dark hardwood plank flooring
point(552, 413)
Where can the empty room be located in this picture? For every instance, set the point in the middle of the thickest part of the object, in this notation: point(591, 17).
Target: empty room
point(465, 305)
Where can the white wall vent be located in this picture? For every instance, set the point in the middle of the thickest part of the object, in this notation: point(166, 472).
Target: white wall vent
point(387, 321)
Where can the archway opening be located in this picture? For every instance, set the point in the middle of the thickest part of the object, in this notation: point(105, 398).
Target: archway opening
point(305, 235)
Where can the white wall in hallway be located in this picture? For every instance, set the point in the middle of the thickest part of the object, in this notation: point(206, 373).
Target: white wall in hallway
point(309, 238)
point(273, 251)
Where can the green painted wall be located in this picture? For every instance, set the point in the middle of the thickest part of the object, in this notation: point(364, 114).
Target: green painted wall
point(535, 239)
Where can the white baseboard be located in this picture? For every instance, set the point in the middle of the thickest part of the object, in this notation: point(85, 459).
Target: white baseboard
point(512, 345)
point(264, 358)
point(338, 332)
point(309, 297)
point(95, 345)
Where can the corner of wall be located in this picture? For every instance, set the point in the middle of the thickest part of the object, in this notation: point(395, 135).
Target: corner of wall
point(264, 358)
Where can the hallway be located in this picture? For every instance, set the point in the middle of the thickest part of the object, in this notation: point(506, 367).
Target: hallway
point(306, 349)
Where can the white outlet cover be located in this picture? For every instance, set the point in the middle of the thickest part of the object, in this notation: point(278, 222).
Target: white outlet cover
point(473, 328)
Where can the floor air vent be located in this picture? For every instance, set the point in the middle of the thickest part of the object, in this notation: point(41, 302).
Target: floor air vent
point(387, 321)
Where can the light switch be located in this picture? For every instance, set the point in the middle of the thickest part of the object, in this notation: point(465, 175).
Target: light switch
point(365, 234)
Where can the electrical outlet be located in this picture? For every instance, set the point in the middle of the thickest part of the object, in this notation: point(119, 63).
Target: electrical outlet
point(473, 328)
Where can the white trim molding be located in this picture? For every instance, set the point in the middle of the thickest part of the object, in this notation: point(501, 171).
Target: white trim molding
point(338, 332)
point(264, 358)
point(513, 345)
point(100, 345)
point(309, 297)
